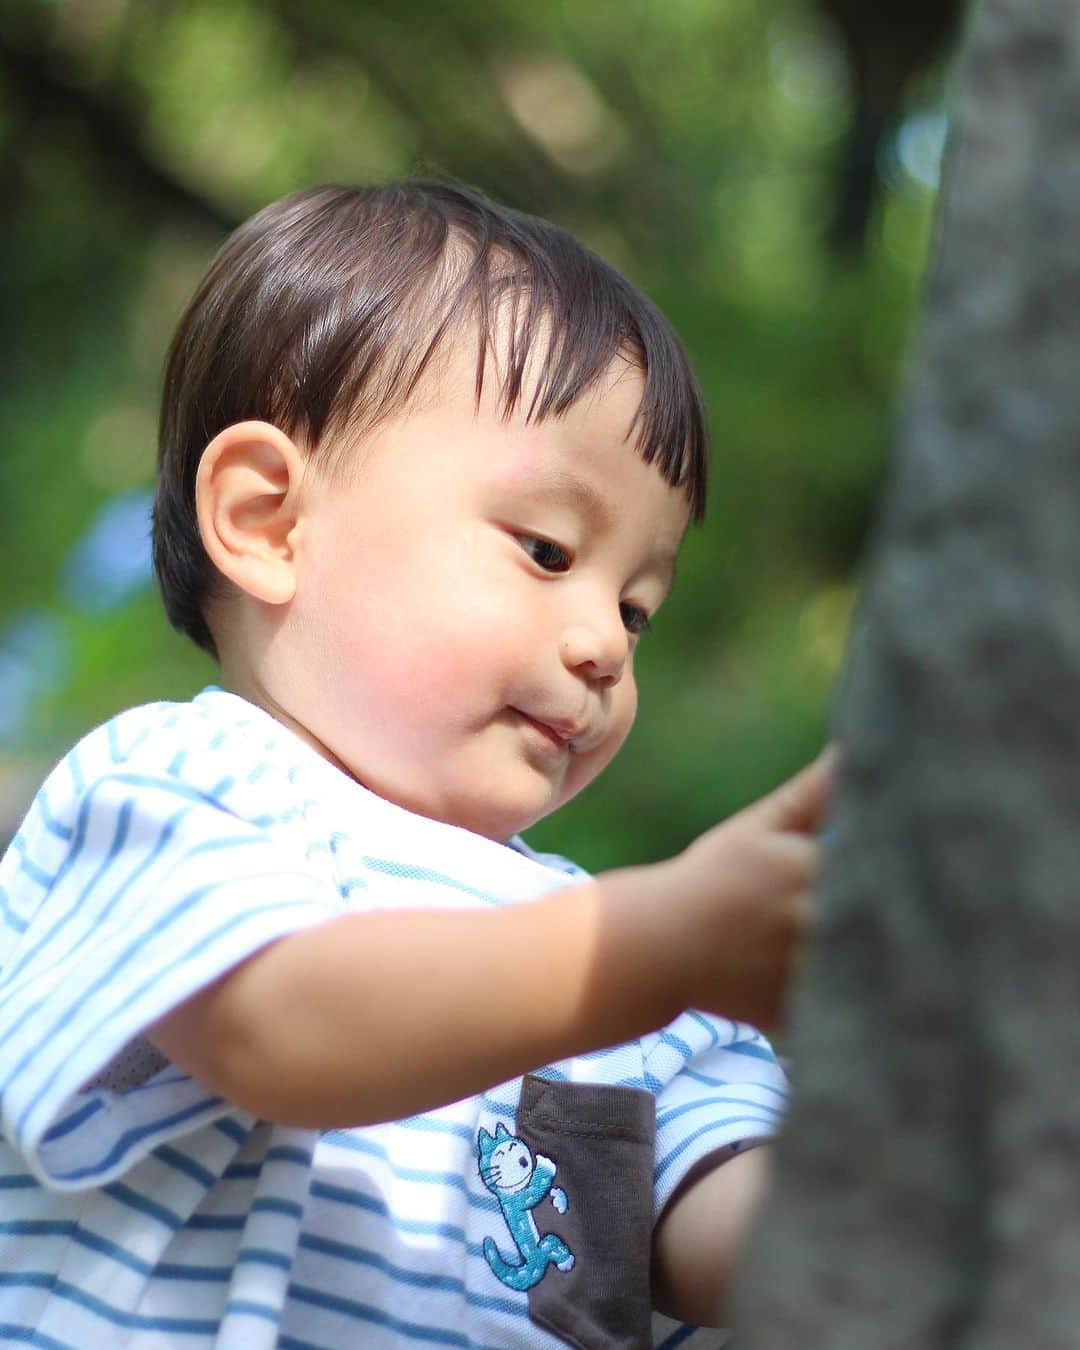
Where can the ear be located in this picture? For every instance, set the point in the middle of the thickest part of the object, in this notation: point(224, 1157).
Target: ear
point(246, 498)
point(501, 1132)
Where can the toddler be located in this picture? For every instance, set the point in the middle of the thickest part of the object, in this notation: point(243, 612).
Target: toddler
point(300, 1044)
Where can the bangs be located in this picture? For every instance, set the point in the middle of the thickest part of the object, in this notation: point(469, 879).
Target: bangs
point(563, 339)
point(423, 264)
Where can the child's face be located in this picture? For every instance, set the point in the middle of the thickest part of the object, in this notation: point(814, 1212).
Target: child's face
point(462, 634)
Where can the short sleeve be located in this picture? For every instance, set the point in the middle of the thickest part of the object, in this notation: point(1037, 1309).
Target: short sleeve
point(722, 1089)
point(132, 894)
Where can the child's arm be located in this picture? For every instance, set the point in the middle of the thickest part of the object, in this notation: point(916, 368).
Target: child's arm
point(699, 1235)
point(382, 1015)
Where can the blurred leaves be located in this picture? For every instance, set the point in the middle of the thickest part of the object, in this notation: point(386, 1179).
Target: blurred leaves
point(692, 143)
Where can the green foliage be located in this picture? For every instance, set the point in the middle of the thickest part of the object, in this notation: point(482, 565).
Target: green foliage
point(692, 143)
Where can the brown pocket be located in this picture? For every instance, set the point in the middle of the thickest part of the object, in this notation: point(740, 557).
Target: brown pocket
point(601, 1140)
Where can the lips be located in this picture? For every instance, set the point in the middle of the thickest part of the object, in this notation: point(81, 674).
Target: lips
point(559, 730)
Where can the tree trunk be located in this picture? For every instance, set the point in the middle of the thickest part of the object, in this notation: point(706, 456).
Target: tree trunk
point(928, 1186)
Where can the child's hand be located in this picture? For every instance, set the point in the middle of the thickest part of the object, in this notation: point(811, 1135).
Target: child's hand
point(743, 899)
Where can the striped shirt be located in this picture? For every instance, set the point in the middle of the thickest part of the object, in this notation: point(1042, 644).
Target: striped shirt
point(139, 1209)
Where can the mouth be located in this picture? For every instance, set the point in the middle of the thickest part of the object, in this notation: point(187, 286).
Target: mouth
point(559, 732)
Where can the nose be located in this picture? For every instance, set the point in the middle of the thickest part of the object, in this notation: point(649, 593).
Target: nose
point(597, 651)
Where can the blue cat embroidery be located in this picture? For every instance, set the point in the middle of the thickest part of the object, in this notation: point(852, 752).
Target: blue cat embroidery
point(519, 1182)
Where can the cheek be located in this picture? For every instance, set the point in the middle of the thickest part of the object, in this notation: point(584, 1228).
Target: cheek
point(623, 712)
point(424, 645)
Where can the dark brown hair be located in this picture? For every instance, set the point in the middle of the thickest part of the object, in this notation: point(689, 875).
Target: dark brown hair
point(325, 309)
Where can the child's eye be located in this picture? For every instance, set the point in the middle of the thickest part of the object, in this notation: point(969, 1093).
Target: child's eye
point(550, 556)
point(634, 618)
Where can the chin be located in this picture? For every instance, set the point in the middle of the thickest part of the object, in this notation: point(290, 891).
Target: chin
point(498, 823)
point(498, 815)
point(500, 828)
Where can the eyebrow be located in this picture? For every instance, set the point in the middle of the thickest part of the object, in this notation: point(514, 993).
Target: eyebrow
point(665, 565)
point(551, 482)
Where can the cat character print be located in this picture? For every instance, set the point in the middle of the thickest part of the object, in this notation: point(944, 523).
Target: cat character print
point(519, 1182)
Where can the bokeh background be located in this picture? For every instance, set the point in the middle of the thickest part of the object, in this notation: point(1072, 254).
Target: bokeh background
point(765, 169)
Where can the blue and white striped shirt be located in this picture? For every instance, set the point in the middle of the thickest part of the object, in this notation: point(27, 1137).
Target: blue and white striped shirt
point(136, 1207)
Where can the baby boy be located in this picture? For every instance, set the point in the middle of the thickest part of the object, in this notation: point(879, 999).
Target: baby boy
point(300, 1044)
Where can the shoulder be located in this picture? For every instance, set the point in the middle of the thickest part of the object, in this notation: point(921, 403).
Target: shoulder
point(180, 738)
point(188, 800)
point(216, 749)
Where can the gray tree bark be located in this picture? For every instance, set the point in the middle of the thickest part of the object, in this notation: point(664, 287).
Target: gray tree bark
point(928, 1186)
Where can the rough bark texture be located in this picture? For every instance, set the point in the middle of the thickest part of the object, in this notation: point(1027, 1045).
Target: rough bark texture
point(928, 1189)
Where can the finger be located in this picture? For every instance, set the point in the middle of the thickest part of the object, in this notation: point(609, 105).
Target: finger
point(805, 914)
point(801, 854)
point(799, 804)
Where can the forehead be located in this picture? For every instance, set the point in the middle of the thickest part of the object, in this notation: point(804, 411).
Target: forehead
point(605, 414)
point(586, 457)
